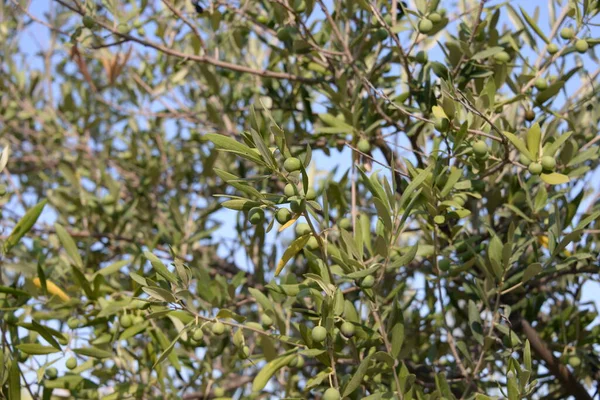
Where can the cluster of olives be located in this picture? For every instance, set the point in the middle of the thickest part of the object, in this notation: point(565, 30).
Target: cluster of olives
point(546, 164)
point(581, 45)
point(127, 320)
point(427, 23)
point(481, 152)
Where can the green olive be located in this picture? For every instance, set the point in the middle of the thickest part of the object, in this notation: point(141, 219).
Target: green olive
point(312, 244)
point(283, 216)
point(363, 146)
point(319, 334)
point(256, 215)
point(441, 124)
point(552, 48)
point(567, 33)
point(502, 57)
point(266, 321)
point(535, 168)
point(292, 164)
point(548, 163)
point(435, 17)
point(51, 373)
point(126, 321)
point(345, 223)
point(348, 329)
point(331, 394)
point(297, 204)
point(480, 148)
point(422, 57)
point(444, 264)
point(367, 282)
point(529, 115)
point(541, 84)
point(198, 334)
point(425, 26)
point(582, 45)
point(89, 22)
point(290, 190)
point(71, 363)
point(218, 328)
point(311, 194)
point(302, 229)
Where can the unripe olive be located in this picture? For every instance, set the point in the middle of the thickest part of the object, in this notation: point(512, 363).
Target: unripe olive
point(524, 160)
point(480, 148)
point(567, 33)
point(138, 319)
point(266, 321)
point(262, 19)
point(582, 45)
point(73, 323)
point(312, 244)
point(290, 190)
point(529, 115)
point(552, 48)
point(71, 363)
point(296, 362)
point(381, 34)
point(22, 357)
point(198, 334)
point(435, 17)
point(300, 6)
point(439, 219)
point(535, 168)
point(345, 223)
point(311, 194)
point(123, 29)
point(367, 282)
point(126, 321)
point(297, 204)
point(283, 216)
point(574, 361)
point(244, 352)
point(425, 25)
point(441, 124)
point(284, 34)
point(348, 329)
point(302, 229)
point(331, 394)
point(319, 334)
point(363, 145)
point(89, 22)
point(256, 215)
point(218, 328)
point(219, 392)
point(292, 164)
point(444, 264)
point(548, 163)
point(422, 57)
point(51, 373)
point(541, 84)
point(502, 57)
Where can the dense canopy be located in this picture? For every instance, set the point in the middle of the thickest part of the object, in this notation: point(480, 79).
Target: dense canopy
point(361, 199)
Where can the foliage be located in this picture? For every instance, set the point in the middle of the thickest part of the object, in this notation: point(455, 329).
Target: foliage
point(299, 199)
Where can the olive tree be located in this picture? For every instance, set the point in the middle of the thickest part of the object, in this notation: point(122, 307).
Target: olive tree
point(361, 199)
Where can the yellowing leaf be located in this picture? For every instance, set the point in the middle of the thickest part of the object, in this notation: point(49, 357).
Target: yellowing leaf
point(288, 224)
point(291, 251)
point(438, 112)
point(52, 289)
point(534, 138)
point(555, 178)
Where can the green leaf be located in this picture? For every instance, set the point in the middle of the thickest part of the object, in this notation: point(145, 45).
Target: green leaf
point(291, 251)
point(587, 220)
point(93, 352)
point(13, 291)
point(555, 178)
point(534, 139)
point(358, 376)
point(527, 355)
point(24, 225)
point(240, 205)
point(531, 271)
point(261, 299)
point(267, 372)
point(553, 147)
point(133, 330)
point(550, 92)
point(160, 294)
point(339, 125)
point(36, 349)
point(45, 334)
point(455, 174)
point(14, 379)
point(475, 322)
point(160, 268)
point(397, 339)
point(231, 145)
point(534, 26)
point(519, 144)
point(69, 245)
point(487, 53)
